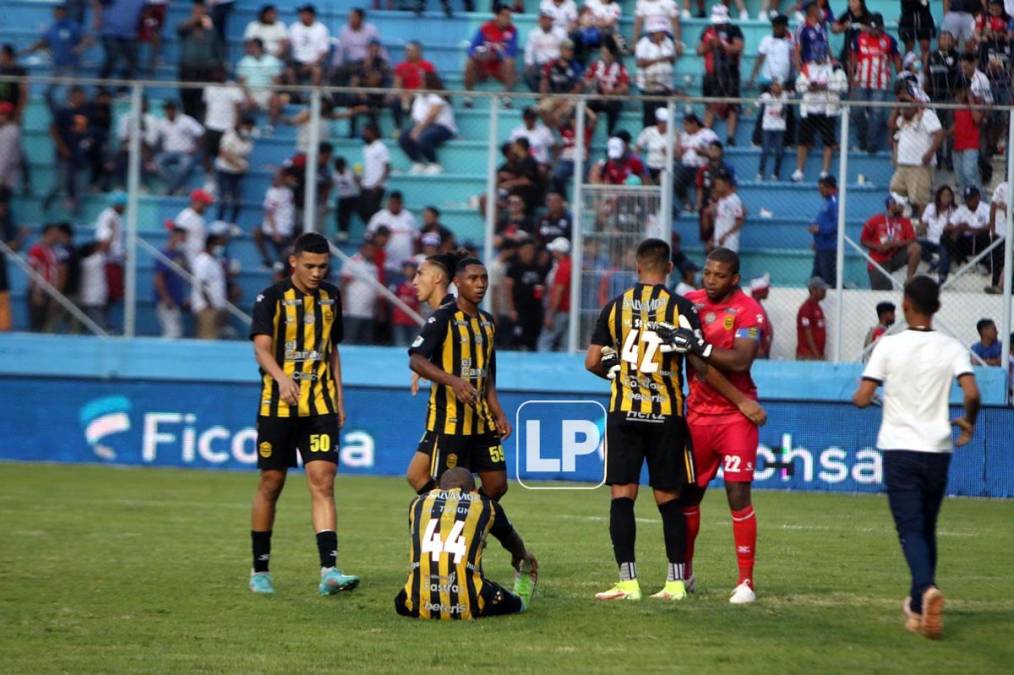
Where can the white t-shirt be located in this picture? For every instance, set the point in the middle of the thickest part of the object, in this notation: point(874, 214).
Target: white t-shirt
point(542, 47)
point(604, 11)
point(540, 141)
point(651, 141)
point(193, 223)
point(180, 134)
point(777, 57)
point(94, 291)
point(977, 219)
point(404, 233)
point(563, 14)
point(270, 34)
point(935, 222)
point(240, 149)
point(376, 158)
point(774, 111)
point(150, 126)
point(221, 101)
point(646, 9)
point(359, 298)
point(309, 43)
point(980, 88)
point(917, 369)
point(208, 289)
point(345, 185)
point(658, 75)
point(279, 201)
point(109, 227)
point(1000, 195)
point(727, 210)
point(695, 146)
point(423, 103)
point(823, 101)
point(915, 137)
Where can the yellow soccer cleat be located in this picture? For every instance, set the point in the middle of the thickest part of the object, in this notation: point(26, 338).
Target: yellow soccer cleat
point(623, 590)
point(673, 590)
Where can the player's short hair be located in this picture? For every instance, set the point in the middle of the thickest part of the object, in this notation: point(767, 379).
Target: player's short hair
point(983, 324)
point(458, 477)
point(464, 261)
point(883, 308)
point(726, 256)
point(924, 294)
point(311, 242)
point(653, 254)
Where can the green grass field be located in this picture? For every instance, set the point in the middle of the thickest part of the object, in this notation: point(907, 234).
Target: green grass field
point(118, 570)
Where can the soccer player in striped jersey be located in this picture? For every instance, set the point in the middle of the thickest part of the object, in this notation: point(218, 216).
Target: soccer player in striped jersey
point(297, 326)
point(637, 346)
point(465, 423)
point(448, 526)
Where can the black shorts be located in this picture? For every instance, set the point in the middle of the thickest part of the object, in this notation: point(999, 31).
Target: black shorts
point(663, 440)
point(212, 141)
point(813, 125)
point(278, 439)
point(724, 86)
point(478, 453)
point(916, 26)
point(497, 601)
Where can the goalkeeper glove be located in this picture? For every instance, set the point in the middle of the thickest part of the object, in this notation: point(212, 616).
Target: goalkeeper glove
point(683, 339)
point(610, 362)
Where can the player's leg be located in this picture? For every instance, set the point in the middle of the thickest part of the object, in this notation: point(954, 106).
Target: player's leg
point(498, 601)
point(623, 471)
point(706, 461)
point(426, 466)
point(670, 468)
point(275, 454)
point(739, 440)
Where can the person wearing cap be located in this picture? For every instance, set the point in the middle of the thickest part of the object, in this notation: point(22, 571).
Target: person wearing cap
point(192, 220)
point(656, 56)
point(608, 76)
point(824, 229)
point(272, 33)
point(169, 285)
point(811, 325)
point(647, 11)
point(492, 53)
point(651, 142)
point(542, 45)
point(890, 239)
point(760, 288)
point(310, 43)
point(618, 167)
point(109, 232)
point(557, 317)
point(919, 136)
point(178, 134)
point(873, 54)
point(970, 232)
point(721, 46)
point(774, 54)
point(691, 152)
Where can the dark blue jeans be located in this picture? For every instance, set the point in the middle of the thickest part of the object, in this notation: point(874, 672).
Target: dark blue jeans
point(773, 143)
point(119, 49)
point(916, 483)
point(825, 266)
point(229, 195)
point(424, 149)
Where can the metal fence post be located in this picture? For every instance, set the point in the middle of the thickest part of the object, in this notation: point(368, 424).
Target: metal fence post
point(577, 243)
point(310, 193)
point(133, 185)
point(1008, 250)
point(843, 180)
point(666, 177)
point(491, 193)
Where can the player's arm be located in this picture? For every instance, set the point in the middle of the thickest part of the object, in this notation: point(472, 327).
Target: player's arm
point(509, 538)
point(874, 375)
point(750, 408)
point(810, 342)
point(421, 352)
point(690, 339)
point(264, 352)
point(866, 392)
point(503, 425)
point(601, 358)
point(966, 423)
point(336, 371)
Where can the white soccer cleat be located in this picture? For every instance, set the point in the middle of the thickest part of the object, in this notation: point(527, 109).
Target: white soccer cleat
point(742, 594)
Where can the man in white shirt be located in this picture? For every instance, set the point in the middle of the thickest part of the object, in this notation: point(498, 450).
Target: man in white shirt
point(562, 12)
point(774, 54)
point(179, 133)
point(540, 139)
point(109, 227)
point(917, 368)
point(667, 14)
point(359, 294)
point(208, 291)
point(270, 31)
point(309, 43)
point(191, 219)
point(542, 45)
point(223, 105)
point(820, 84)
point(656, 55)
point(375, 171)
point(692, 153)
point(919, 136)
point(651, 143)
point(729, 212)
point(968, 234)
point(404, 234)
point(257, 71)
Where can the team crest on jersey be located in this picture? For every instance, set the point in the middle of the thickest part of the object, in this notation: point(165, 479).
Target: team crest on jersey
point(452, 461)
point(729, 322)
point(264, 449)
point(710, 317)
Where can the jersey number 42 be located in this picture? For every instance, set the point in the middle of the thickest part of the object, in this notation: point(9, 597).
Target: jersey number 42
point(645, 364)
point(434, 543)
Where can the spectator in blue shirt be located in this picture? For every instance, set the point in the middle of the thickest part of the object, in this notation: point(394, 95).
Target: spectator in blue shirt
point(812, 45)
point(988, 348)
point(825, 232)
point(66, 41)
point(117, 22)
point(170, 286)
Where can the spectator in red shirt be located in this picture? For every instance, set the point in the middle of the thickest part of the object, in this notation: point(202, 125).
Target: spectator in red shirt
point(608, 77)
point(492, 53)
point(409, 74)
point(885, 319)
point(42, 257)
point(965, 132)
point(620, 168)
point(873, 54)
point(891, 241)
point(811, 326)
point(557, 317)
point(403, 326)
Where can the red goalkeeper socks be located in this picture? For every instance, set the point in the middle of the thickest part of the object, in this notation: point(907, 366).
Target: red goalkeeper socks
point(693, 517)
point(744, 533)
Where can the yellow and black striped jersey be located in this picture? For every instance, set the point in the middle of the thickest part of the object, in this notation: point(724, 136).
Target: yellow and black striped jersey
point(460, 344)
point(448, 530)
point(306, 328)
point(649, 381)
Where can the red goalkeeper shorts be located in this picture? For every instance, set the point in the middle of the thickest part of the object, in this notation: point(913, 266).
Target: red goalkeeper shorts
point(731, 444)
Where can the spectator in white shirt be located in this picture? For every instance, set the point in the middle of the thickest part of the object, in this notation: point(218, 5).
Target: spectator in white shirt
point(774, 109)
point(651, 142)
point(728, 212)
point(346, 188)
point(270, 31)
point(542, 45)
point(309, 42)
point(257, 71)
point(375, 170)
point(692, 153)
point(919, 136)
point(656, 55)
point(150, 126)
point(279, 225)
point(191, 219)
point(540, 139)
point(774, 54)
point(354, 38)
point(208, 291)
point(223, 103)
point(93, 296)
point(605, 15)
point(179, 134)
point(562, 12)
point(667, 14)
point(997, 218)
point(109, 228)
point(404, 233)
point(935, 220)
point(432, 125)
point(969, 233)
point(231, 165)
point(360, 280)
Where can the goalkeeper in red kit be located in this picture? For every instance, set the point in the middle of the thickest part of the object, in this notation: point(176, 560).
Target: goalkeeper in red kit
point(732, 323)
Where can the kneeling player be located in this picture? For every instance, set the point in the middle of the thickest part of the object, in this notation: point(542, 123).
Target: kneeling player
point(448, 526)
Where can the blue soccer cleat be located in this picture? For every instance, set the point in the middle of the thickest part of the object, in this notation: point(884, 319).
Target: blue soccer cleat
point(260, 582)
point(334, 581)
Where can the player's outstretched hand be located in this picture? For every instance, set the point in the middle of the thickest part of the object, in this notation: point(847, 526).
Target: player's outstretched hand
point(526, 563)
point(610, 362)
point(967, 430)
point(464, 391)
point(753, 412)
point(414, 387)
point(288, 390)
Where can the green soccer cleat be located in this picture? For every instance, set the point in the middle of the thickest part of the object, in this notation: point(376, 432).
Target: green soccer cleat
point(260, 582)
point(623, 590)
point(334, 581)
point(524, 588)
point(673, 590)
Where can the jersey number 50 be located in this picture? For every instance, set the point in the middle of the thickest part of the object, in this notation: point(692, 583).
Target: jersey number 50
point(646, 364)
point(434, 544)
